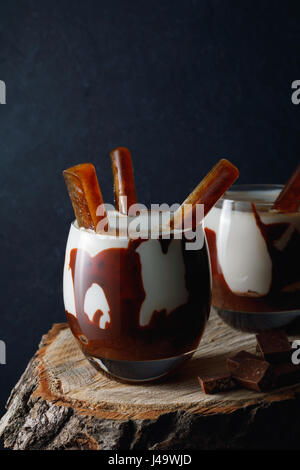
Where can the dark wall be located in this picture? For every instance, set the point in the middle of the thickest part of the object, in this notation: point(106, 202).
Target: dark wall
point(181, 83)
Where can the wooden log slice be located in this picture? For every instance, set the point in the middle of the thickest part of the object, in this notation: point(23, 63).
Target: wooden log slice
point(62, 402)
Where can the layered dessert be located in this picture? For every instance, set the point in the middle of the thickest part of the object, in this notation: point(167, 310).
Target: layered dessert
point(135, 299)
point(255, 252)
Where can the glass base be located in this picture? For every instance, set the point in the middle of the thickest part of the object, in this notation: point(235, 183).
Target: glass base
point(255, 322)
point(138, 371)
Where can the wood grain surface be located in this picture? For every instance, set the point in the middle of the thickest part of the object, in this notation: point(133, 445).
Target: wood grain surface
point(60, 380)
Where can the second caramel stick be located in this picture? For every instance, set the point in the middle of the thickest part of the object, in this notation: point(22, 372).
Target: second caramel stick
point(289, 198)
point(208, 191)
point(124, 187)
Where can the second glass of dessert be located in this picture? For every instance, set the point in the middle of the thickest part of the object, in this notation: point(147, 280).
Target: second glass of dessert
point(254, 246)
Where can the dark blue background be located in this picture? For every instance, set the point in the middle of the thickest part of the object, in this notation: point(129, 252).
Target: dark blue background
point(181, 83)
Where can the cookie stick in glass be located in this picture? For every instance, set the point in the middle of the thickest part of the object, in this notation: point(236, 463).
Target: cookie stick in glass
point(289, 198)
point(208, 192)
point(85, 194)
point(124, 187)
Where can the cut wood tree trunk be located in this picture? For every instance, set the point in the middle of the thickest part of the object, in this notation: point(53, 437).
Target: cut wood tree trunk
point(62, 402)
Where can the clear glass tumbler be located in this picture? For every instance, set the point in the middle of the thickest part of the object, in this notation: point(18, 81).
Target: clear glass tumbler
point(136, 306)
point(255, 258)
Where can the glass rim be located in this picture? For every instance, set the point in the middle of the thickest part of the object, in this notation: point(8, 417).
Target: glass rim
point(228, 196)
point(115, 236)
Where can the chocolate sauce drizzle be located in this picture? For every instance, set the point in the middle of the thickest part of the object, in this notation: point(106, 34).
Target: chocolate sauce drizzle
point(284, 292)
point(118, 272)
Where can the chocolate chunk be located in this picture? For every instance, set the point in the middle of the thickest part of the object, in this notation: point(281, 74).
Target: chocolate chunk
point(250, 372)
point(286, 374)
point(234, 361)
point(274, 346)
point(258, 350)
point(217, 383)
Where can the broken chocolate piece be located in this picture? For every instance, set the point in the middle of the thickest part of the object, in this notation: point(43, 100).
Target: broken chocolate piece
point(217, 383)
point(250, 372)
point(286, 374)
point(234, 361)
point(274, 346)
point(258, 350)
